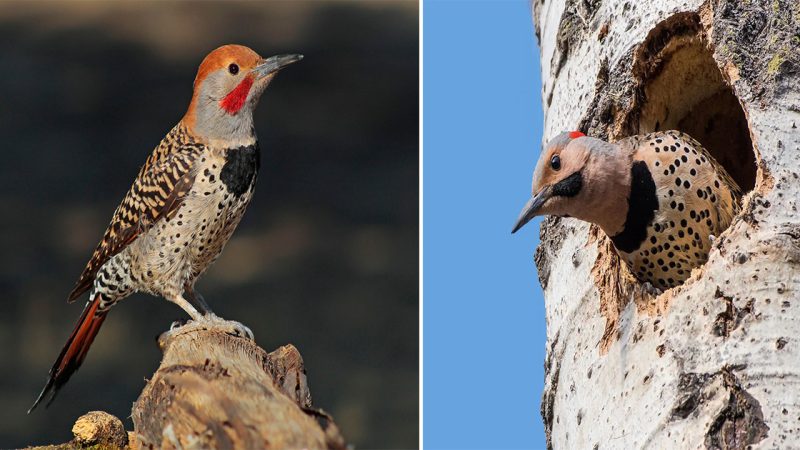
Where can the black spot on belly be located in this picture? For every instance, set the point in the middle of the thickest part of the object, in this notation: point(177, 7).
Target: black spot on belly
point(642, 206)
point(240, 169)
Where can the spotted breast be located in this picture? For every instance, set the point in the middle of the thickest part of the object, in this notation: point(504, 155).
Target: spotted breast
point(183, 205)
point(175, 253)
point(680, 197)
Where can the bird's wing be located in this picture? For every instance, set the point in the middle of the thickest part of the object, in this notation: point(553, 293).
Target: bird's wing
point(728, 193)
point(157, 193)
point(680, 165)
point(725, 189)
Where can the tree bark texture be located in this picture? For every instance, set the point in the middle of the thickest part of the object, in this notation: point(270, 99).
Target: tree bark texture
point(216, 390)
point(219, 391)
point(714, 363)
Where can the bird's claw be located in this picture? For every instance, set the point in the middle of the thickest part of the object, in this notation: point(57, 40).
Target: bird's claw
point(231, 326)
point(650, 289)
point(210, 321)
point(176, 324)
point(240, 330)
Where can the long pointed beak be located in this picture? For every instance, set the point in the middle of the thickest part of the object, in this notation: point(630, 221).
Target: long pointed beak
point(531, 209)
point(274, 64)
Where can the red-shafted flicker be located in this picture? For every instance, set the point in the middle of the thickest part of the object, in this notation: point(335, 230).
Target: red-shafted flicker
point(660, 197)
point(183, 206)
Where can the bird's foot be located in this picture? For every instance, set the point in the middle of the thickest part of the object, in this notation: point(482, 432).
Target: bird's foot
point(177, 324)
point(650, 289)
point(230, 326)
point(207, 322)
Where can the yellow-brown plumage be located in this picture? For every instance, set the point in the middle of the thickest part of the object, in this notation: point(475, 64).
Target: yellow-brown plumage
point(659, 197)
point(697, 200)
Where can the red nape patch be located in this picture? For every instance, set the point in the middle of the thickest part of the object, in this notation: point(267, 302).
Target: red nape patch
point(575, 134)
point(234, 101)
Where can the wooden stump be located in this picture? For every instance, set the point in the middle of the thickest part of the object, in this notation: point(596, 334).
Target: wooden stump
point(220, 391)
point(216, 390)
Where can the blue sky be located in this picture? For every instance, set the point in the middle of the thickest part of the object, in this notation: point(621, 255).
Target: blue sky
point(484, 327)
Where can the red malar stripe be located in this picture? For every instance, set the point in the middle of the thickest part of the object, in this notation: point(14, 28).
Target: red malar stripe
point(234, 101)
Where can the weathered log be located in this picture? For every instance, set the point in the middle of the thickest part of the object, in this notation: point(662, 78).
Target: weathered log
point(216, 390)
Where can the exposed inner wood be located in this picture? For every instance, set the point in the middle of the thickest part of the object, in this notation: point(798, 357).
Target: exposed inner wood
point(688, 93)
point(216, 390)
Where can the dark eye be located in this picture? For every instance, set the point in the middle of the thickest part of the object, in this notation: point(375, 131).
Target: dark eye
point(555, 162)
point(233, 69)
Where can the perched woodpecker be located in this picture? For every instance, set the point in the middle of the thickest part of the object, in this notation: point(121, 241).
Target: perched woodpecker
point(183, 206)
point(660, 197)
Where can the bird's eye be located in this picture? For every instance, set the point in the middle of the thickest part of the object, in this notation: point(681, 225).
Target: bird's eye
point(555, 162)
point(233, 69)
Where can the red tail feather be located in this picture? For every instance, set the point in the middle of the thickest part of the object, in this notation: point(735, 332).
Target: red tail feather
point(74, 350)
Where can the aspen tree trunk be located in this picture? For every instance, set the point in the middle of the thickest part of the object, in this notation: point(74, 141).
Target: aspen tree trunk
point(714, 363)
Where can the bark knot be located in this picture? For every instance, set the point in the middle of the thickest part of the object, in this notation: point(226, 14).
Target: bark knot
point(740, 424)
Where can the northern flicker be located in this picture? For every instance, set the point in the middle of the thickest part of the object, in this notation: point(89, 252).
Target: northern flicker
point(183, 206)
point(660, 197)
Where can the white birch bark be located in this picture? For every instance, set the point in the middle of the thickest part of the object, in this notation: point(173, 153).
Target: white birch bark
point(714, 363)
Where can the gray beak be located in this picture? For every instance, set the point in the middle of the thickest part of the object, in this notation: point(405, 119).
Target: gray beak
point(531, 209)
point(274, 64)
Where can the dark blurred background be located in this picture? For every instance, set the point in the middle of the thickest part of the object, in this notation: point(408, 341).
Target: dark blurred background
point(326, 257)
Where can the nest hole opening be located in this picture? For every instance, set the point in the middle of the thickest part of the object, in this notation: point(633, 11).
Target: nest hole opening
point(687, 92)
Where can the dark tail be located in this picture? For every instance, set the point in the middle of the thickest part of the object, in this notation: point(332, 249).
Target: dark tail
point(74, 351)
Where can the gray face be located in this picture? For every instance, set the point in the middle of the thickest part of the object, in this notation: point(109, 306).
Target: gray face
point(216, 122)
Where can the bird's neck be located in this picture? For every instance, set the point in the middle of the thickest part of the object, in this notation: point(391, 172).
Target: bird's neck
point(208, 121)
point(641, 206)
point(607, 196)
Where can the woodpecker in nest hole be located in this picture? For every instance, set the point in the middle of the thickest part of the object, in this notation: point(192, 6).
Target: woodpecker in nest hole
point(660, 197)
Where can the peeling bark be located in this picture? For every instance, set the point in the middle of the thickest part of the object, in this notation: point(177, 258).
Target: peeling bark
point(712, 363)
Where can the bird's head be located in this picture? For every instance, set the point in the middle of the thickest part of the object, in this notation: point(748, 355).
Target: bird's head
point(227, 88)
point(576, 176)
